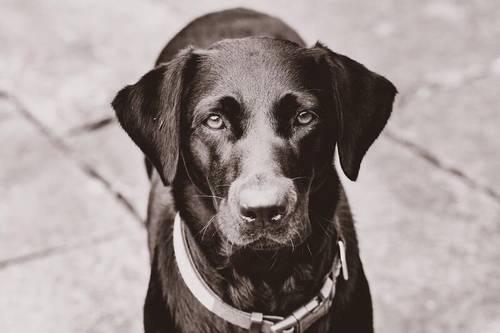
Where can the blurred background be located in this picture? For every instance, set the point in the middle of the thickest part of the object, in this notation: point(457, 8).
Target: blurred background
point(73, 189)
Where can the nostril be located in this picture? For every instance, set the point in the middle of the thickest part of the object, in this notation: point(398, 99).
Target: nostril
point(276, 213)
point(276, 218)
point(247, 214)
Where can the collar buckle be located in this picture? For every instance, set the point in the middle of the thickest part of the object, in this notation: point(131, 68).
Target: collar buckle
point(308, 314)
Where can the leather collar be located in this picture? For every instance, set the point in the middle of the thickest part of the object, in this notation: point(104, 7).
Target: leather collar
point(255, 322)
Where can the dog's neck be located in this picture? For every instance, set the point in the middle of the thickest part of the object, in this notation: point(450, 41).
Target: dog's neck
point(271, 282)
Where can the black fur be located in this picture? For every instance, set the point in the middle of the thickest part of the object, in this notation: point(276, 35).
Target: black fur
point(258, 86)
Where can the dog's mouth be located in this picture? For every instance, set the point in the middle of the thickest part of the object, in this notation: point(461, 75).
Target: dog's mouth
point(288, 237)
point(266, 243)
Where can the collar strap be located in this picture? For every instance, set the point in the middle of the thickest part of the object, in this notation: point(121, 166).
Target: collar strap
point(254, 322)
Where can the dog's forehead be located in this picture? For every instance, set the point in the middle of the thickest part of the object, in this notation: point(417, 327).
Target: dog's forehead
point(254, 67)
point(254, 47)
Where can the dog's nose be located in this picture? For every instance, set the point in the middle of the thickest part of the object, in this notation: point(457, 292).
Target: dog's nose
point(262, 205)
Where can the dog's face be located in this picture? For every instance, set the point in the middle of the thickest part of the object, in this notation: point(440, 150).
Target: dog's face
point(257, 132)
point(255, 122)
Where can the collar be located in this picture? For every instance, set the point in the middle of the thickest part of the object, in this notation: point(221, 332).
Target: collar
point(255, 322)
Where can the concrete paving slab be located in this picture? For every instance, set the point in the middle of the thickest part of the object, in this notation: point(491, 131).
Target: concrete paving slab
point(434, 42)
point(113, 154)
point(97, 288)
point(46, 200)
point(429, 244)
point(7, 108)
point(460, 126)
point(66, 59)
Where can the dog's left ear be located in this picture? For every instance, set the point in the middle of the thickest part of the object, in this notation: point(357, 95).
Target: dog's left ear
point(363, 101)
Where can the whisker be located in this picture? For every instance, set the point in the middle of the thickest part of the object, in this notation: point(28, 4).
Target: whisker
point(300, 177)
point(214, 200)
point(230, 247)
point(300, 236)
point(326, 232)
point(332, 221)
point(311, 179)
point(196, 186)
point(207, 225)
point(293, 245)
point(309, 249)
point(313, 90)
point(274, 258)
point(187, 173)
point(207, 196)
point(223, 185)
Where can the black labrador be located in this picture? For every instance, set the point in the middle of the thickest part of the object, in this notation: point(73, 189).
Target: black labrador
point(239, 122)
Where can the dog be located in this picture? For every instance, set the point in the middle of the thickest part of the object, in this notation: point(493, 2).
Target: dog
point(249, 228)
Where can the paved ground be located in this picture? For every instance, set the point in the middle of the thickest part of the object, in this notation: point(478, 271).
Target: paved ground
point(73, 255)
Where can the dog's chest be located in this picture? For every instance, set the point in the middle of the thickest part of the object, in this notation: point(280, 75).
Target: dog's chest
point(191, 316)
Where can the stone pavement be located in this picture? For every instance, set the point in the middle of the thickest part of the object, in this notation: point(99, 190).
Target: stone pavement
point(73, 191)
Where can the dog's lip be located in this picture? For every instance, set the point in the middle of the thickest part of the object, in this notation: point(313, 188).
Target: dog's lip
point(265, 243)
point(269, 242)
point(269, 239)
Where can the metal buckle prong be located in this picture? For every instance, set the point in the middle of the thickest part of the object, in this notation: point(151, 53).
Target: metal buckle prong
point(307, 313)
point(343, 260)
point(289, 322)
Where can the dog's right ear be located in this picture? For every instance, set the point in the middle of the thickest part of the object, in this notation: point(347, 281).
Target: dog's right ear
point(149, 111)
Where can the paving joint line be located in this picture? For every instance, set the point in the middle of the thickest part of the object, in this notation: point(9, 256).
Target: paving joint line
point(437, 163)
point(59, 144)
point(61, 249)
point(91, 126)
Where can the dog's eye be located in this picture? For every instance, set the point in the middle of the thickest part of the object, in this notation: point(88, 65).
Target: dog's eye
point(305, 117)
point(214, 121)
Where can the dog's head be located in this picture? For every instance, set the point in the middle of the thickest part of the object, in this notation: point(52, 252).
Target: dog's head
point(253, 123)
